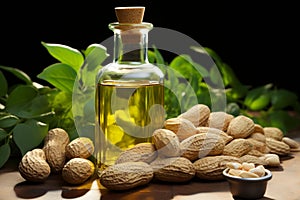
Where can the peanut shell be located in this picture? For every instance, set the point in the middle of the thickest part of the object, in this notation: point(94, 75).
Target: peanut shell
point(127, 175)
point(258, 145)
point(211, 167)
point(219, 133)
point(237, 147)
point(77, 170)
point(258, 136)
point(166, 143)
point(183, 128)
point(55, 144)
point(291, 142)
point(219, 120)
point(81, 147)
point(277, 147)
point(197, 114)
point(258, 129)
point(273, 132)
point(240, 127)
point(144, 152)
point(33, 166)
point(201, 145)
point(175, 169)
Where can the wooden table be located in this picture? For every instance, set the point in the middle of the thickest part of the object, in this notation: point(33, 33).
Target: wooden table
point(284, 185)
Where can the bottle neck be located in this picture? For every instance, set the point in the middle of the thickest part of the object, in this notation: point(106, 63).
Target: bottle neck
point(131, 44)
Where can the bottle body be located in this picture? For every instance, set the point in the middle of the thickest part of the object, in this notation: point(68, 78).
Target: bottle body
point(129, 99)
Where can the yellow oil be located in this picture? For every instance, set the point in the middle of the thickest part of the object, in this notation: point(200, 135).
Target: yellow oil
point(127, 114)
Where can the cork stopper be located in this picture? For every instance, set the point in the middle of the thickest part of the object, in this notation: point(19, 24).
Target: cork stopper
point(130, 15)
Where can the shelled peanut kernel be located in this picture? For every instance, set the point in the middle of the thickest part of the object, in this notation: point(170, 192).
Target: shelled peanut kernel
point(245, 170)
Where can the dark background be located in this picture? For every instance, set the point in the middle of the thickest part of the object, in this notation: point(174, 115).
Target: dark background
point(259, 41)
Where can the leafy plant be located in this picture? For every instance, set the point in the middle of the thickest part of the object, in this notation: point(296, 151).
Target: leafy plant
point(28, 109)
point(266, 104)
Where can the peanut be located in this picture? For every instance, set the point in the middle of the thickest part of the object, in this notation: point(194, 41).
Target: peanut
point(273, 160)
point(219, 120)
point(273, 132)
point(127, 175)
point(247, 174)
point(197, 114)
point(277, 147)
point(144, 152)
point(258, 145)
point(253, 159)
point(81, 147)
point(166, 143)
point(211, 167)
point(240, 127)
point(247, 166)
point(201, 145)
point(256, 153)
point(258, 129)
point(258, 136)
point(291, 142)
point(33, 166)
point(219, 133)
point(183, 128)
point(237, 147)
point(175, 169)
point(77, 170)
point(55, 144)
point(258, 170)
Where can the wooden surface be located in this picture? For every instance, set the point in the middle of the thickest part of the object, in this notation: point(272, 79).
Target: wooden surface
point(284, 185)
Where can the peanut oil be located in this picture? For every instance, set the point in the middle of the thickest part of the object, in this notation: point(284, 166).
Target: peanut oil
point(130, 114)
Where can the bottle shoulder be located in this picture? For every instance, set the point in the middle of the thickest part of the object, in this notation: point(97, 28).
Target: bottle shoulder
point(115, 71)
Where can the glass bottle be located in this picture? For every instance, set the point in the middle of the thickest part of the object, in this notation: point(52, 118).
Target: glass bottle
point(129, 94)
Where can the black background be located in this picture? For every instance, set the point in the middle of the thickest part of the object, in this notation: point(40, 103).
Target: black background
point(258, 40)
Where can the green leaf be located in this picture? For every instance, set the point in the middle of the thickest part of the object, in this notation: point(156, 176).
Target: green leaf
point(65, 54)
point(258, 98)
point(260, 102)
point(61, 101)
point(46, 117)
point(25, 102)
point(182, 64)
point(3, 83)
point(158, 56)
point(8, 121)
point(29, 135)
point(36, 107)
point(151, 56)
point(96, 53)
point(282, 98)
point(18, 99)
point(18, 73)
point(3, 134)
point(201, 71)
point(4, 154)
point(62, 76)
point(229, 77)
point(215, 76)
point(194, 82)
